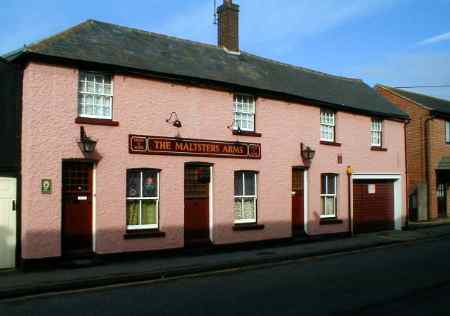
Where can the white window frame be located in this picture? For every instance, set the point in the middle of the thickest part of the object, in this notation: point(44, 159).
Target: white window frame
point(447, 131)
point(327, 125)
point(150, 226)
point(328, 195)
point(244, 196)
point(376, 132)
point(84, 93)
point(247, 103)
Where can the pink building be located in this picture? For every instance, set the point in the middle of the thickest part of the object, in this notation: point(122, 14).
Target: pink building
point(134, 141)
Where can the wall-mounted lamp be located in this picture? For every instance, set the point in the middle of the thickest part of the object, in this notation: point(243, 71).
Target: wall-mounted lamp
point(349, 170)
point(307, 152)
point(87, 145)
point(173, 119)
point(232, 127)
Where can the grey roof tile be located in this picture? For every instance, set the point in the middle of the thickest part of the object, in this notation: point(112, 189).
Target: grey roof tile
point(433, 103)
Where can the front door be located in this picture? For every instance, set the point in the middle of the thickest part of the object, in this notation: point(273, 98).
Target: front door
point(442, 199)
point(196, 205)
point(298, 215)
point(7, 223)
point(77, 208)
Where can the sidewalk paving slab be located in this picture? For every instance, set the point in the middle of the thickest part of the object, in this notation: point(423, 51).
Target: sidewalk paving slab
point(17, 283)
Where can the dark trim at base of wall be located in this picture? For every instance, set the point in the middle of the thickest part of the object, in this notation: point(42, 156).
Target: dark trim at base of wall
point(62, 262)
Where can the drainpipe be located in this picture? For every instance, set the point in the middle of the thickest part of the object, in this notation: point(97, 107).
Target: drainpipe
point(427, 172)
point(350, 220)
point(406, 175)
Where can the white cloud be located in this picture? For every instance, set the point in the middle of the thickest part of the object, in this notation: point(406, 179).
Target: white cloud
point(274, 22)
point(436, 39)
point(409, 69)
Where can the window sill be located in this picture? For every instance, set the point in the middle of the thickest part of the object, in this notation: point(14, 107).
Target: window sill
point(94, 121)
point(247, 133)
point(330, 221)
point(244, 227)
point(375, 148)
point(323, 142)
point(143, 234)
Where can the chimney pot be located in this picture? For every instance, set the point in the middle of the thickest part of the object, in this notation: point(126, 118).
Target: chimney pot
point(228, 26)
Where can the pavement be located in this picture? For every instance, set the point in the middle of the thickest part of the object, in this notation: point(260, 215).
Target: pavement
point(427, 224)
point(18, 284)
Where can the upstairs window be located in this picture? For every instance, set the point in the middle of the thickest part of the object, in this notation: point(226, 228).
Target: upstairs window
point(377, 133)
point(142, 199)
point(95, 95)
point(447, 131)
point(245, 197)
point(328, 190)
point(327, 125)
point(244, 113)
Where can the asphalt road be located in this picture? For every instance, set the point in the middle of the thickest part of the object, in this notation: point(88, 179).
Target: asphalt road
point(412, 279)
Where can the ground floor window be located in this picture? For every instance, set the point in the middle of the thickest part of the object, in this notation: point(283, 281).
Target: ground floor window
point(142, 198)
point(245, 197)
point(328, 199)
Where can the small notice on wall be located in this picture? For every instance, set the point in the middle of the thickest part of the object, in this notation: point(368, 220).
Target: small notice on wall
point(371, 188)
point(46, 186)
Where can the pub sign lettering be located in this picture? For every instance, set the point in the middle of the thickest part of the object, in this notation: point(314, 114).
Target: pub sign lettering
point(156, 145)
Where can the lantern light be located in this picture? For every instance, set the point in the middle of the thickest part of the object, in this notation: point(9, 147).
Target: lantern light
point(307, 152)
point(87, 144)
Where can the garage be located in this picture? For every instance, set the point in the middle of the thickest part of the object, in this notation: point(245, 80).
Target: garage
point(373, 205)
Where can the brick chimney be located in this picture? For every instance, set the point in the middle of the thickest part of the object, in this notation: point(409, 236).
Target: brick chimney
point(228, 25)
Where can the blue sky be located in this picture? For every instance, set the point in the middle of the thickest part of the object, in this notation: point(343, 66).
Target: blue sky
point(394, 42)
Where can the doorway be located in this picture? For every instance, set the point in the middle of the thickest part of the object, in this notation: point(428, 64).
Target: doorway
point(7, 223)
point(77, 188)
point(197, 180)
point(298, 201)
point(442, 199)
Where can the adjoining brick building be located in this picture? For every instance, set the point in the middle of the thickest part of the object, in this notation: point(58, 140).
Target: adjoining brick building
point(427, 152)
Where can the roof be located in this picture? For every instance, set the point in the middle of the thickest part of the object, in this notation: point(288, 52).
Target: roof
point(104, 43)
point(431, 103)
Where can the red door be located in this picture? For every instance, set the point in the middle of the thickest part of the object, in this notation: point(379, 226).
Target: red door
point(373, 205)
point(298, 217)
point(77, 208)
point(196, 205)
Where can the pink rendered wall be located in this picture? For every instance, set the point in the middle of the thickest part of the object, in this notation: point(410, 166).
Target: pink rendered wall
point(141, 106)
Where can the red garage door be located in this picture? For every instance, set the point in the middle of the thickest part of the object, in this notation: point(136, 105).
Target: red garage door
point(373, 205)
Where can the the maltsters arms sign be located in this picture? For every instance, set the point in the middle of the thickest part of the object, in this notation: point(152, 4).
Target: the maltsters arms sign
point(156, 145)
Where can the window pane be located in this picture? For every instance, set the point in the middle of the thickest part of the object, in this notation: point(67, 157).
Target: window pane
point(238, 209)
point(447, 125)
point(249, 211)
point(133, 212)
point(331, 184)
point(149, 212)
point(323, 188)
point(133, 184)
point(238, 185)
point(150, 184)
point(250, 188)
point(329, 206)
point(90, 87)
point(244, 108)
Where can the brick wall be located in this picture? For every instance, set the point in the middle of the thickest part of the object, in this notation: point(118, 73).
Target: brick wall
point(228, 26)
point(415, 133)
point(415, 146)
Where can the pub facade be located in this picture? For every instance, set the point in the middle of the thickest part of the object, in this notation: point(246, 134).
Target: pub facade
point(166, 143)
